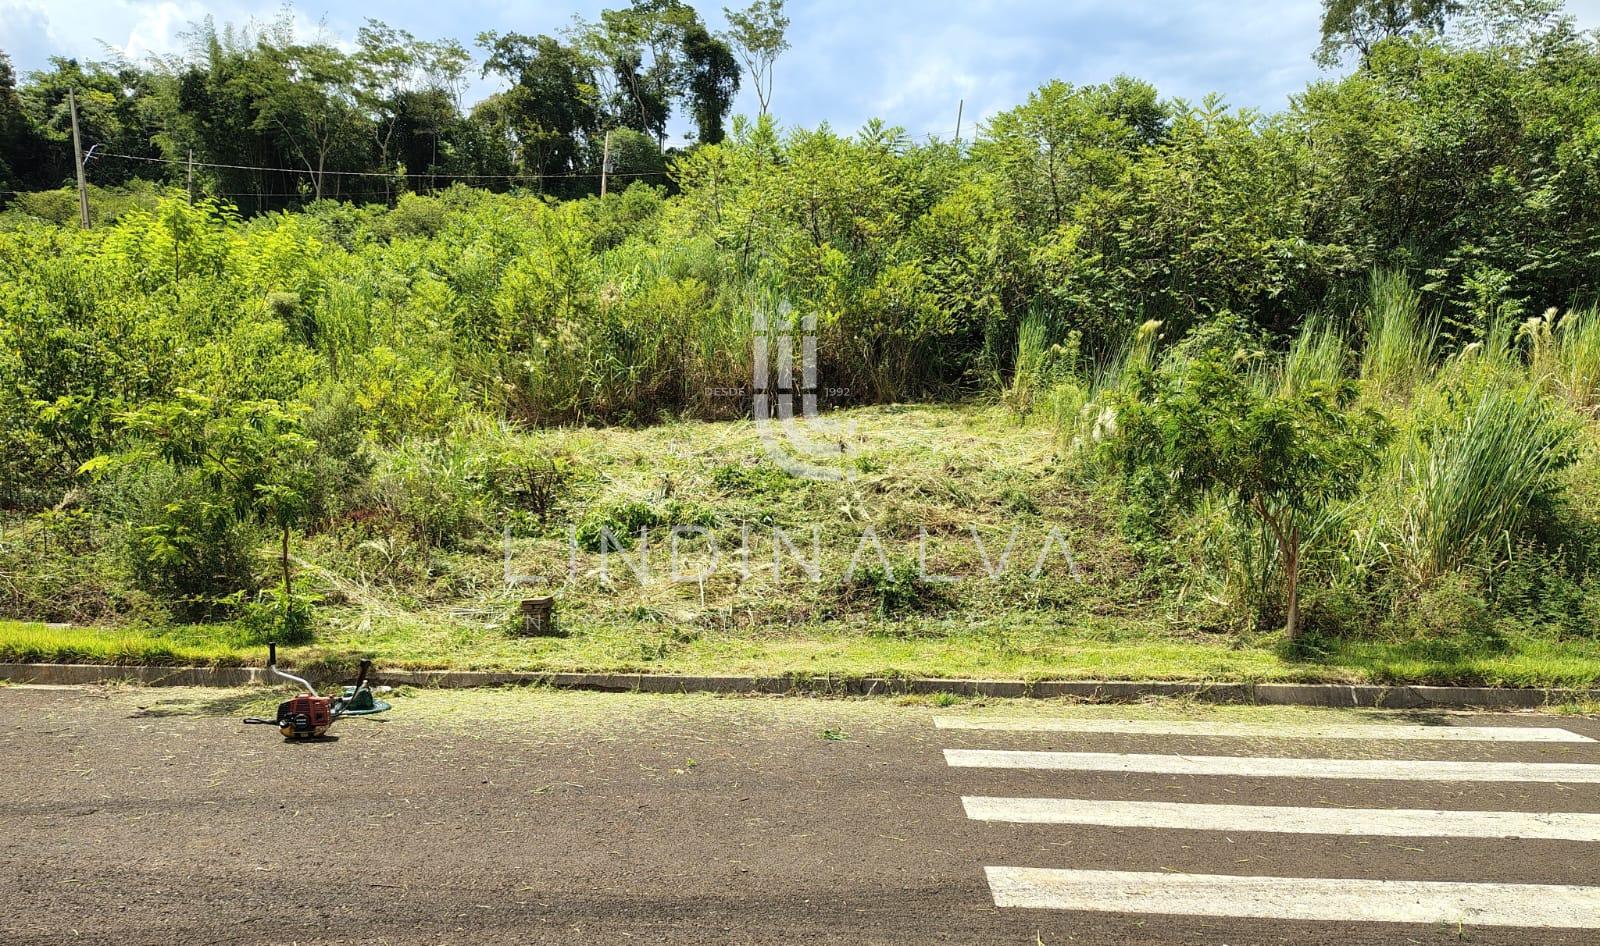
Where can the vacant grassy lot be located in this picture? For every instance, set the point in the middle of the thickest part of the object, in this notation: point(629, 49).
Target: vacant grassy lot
point(836, 590)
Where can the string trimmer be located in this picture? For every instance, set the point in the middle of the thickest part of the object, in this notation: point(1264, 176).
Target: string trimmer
point(309, 715)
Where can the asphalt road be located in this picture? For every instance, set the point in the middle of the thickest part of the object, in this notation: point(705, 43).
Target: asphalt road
point(127, 818)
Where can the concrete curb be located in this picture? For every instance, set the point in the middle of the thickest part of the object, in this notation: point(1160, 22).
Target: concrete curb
point(1114, 691)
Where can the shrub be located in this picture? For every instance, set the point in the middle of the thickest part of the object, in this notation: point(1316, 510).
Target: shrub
point(274, 619)
point(431, 490)
point(181, 541)
point(403, 394)
point(526, 480)
point(623, 520)
point(1201, 424)
point(1453, 608)
point(760, 480)
point(897, 590)
point(341, 463)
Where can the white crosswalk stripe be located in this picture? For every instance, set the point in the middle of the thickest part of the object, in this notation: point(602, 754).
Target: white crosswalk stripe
point(1298, 898)
point(1158, 727)
point(1357, 822)
point(1392, 769)
point(1477, 903)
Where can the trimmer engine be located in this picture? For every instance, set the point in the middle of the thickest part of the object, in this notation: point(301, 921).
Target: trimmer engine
point(305, 717)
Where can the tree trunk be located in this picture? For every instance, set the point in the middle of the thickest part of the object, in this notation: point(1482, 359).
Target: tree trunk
point(1291, 570)
point(1289, 556)
point(283, 563)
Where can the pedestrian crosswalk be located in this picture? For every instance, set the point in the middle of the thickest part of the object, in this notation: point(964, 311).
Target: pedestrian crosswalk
point(1355, 822)
point(1545, 906)
point(1365, 731)
point(1397, 899)
point(1384, 769)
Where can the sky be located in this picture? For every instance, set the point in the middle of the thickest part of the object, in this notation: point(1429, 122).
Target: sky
point(909, 63)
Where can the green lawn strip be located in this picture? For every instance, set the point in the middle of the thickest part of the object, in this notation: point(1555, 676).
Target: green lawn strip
point(22, 642)
point(1089, 653)
point(1517, 662)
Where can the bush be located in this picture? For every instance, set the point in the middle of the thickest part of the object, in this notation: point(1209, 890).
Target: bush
point(432, 491)
point(1546, 592)
point(342, 463)
point(895, 591)
point(272, 620)
point(765, 480)
point(413, 216)
point(1453, 607)
point(521, 478)
point(623, 520)
point(181, 542)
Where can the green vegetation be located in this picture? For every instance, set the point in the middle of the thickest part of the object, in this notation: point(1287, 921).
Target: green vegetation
point(961, 650)
point(275, 119)
point(1124, 387)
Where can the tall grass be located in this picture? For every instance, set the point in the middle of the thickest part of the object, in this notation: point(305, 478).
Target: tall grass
point(1401, 340)
point(1081, 413)
point(1474, 482)
point(1033, 353)
point(1318, 356)
point(1564, 356)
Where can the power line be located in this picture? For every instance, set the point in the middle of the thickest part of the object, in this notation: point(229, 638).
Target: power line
point(379, 174)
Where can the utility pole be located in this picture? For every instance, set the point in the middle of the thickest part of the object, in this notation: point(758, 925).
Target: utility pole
point(961, 106)
point(77, 154)
point(191, 177)
point(605, 162)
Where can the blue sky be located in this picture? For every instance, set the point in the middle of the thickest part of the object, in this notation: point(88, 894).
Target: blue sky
point(909, 63)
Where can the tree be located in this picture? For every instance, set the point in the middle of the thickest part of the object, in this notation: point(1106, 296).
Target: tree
point(113, 113)
point(1507, 23)
point(252, 457)
point(307, 97)
point(254, 99)
point(639, 48)
point(1464, 167)
point(653, 55)
point(549, 111)
point(1360, 25)
point(713, 81)
point(1207, 422)
point(1065, 140)
point(407, 87)
point(756, 33)
point(16, 133)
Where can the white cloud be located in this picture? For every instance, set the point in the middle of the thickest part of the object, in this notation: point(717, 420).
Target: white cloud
point(156, 32)
point(25, 26)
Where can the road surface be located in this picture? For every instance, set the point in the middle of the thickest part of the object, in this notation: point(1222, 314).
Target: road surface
point(152, 816)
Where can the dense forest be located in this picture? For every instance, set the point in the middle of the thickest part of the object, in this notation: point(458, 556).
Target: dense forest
point(1327, 363)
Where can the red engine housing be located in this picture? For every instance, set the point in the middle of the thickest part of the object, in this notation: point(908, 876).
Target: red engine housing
point(305, 717)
